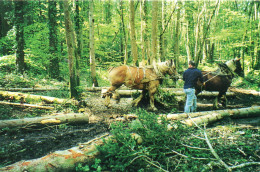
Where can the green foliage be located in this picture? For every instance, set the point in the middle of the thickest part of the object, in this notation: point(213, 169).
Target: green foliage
point(95, 167)
point(162, 149)
point(251, 81)
point(166, 97)
point(16, 81)
point(5, 112)
point(125, 154)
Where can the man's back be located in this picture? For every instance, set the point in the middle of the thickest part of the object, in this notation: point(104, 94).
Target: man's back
point(190, 76)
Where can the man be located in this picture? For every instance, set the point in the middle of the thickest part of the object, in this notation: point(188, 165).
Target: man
point(190, 77)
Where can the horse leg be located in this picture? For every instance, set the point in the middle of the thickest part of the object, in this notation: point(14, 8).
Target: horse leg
point(152, 91)
point(215, 103)
point(108, 94)
point(224, 100)
point(138, 99)
point(217, 100)
point(116, 96)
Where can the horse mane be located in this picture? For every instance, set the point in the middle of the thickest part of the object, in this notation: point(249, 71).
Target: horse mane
point(160, 68)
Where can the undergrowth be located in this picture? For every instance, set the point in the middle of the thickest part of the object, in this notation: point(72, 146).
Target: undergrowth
point(146, 145)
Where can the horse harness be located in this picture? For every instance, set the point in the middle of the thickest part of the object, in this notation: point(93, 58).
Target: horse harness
point(223, 69)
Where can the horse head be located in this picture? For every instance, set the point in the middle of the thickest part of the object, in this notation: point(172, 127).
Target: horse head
point(170, 67)
point(235, 66)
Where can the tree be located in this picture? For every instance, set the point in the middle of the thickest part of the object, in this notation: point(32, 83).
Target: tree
point(53, 41)
point(71, 45)
point(154, 32)
point(132, 32)
point(92, 44)
point(124, 31)
point(19, 23)
point(177, 35)
point(144, 32)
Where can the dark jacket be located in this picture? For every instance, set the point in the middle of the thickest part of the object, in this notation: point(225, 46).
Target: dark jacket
point(191, 76)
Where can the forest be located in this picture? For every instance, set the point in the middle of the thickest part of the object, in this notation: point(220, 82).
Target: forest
point(55, 59)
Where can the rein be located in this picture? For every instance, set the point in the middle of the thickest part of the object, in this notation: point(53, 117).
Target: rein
point(232, 75)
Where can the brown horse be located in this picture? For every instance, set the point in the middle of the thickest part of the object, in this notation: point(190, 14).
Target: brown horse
point(146, 79)
point(220, 80)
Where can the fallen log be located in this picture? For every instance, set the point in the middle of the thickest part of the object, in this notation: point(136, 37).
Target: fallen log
point(212, 116)
point(46, 120)
point(65, 160)
point(244, 91)
point(24, 105)
point(176, 93)
point(32, 89)
point(46, 99)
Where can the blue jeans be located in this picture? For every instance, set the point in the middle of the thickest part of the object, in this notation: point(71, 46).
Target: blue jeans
point(191, 100)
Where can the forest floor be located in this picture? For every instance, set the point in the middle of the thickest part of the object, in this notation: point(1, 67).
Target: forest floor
point(31, 143)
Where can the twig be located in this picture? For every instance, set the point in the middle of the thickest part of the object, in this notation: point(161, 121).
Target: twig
point(244, 165)
point(148, 162)
point(192, 147)
point(185, 156)
point(215, 154)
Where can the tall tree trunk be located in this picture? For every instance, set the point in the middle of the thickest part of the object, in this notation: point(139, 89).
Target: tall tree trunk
point(71, 44)
point(154, 32)
point(143, 31)
point(132, 32)
point(19, 23)
point(161, 28)
point(177, 35)
point(53, 41)
point(124, 32)
point(92, 44)
point(78, 47)
point(204, 36)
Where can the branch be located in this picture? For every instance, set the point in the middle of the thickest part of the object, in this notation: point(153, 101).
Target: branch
point(169, 19)
point(215, 154)
point(244, 165)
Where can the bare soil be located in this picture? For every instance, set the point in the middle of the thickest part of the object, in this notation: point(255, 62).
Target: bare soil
point(30, 143)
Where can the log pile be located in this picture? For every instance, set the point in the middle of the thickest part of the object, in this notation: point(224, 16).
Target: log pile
point(67, 160)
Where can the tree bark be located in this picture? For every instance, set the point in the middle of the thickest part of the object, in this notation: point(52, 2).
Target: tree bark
point(18, 96)
point(124, 32)
point(47, 120)
point(71, 44)
point(23, 105)
point(19, 23)
point(65, 160)
point(92, 44)
point(212, 116)
point(154, 32)
point(132, 32)
point(243, 91)
point(54, 69)
point(173, 91)
point(177, 35)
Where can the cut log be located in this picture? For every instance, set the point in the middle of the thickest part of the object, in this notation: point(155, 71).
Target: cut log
point(26, 105)
point(46, 99)
point(244, 91)
point(212, 116)
point(47, 120)
point(173, 91)
point(65, 160)
point(32, 89)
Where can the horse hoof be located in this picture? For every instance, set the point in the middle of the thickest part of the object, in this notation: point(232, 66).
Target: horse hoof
point(154, 109)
